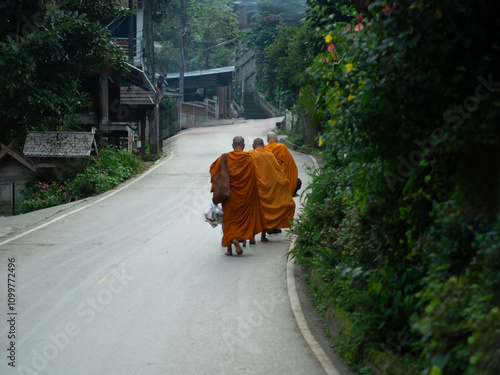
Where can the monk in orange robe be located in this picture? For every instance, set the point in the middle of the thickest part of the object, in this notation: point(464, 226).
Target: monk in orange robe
point(274, 189)
point(285, 161)
point(243, 217)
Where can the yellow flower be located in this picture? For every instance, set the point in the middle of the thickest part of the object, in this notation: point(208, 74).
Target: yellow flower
point(348, 67)
point(344, 199)
point(320, 143)
point(349, 98)
point(328, 38)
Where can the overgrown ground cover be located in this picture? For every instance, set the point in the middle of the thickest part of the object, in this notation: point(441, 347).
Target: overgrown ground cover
point(101, 173)
point(401, 223)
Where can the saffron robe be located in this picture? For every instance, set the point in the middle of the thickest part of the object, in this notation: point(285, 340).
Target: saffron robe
point(286, 162)
point(243, 217)
point(274, 189)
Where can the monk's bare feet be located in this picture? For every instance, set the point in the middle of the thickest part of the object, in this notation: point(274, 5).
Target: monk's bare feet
point(263, 237)
point(252, 240)
point(237, 246)
point(229, 251)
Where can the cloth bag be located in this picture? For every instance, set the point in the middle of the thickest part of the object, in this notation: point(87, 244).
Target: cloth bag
point(221, 185)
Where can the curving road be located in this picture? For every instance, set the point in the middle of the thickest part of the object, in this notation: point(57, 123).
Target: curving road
point(134, 282)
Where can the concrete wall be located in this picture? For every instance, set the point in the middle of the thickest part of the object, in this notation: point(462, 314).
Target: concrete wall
point(245, 73)
point(193, 115)
point(289, 121)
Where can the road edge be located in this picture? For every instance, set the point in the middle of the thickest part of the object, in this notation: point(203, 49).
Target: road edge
point(316, 348)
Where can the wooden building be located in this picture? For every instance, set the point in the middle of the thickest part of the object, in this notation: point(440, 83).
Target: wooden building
point(15, 172)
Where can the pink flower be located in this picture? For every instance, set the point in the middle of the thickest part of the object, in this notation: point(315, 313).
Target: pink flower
point(348, 28)
point(359, 26)
point(360, 17)
point(388, 9)
point(331, 47)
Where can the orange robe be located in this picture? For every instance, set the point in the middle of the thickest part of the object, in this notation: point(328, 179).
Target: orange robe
point(274, 189)
point(286, 162)
point(243, 217)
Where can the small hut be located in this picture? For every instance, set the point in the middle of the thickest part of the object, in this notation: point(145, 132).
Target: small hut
point(15, 172)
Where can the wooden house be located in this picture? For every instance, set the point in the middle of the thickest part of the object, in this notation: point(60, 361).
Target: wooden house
point(15, 172)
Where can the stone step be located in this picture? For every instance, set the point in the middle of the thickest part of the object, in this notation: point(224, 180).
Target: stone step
point(252, 110)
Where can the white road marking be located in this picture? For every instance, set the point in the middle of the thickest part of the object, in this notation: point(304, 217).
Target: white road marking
point(316, 348)
point(106, 196)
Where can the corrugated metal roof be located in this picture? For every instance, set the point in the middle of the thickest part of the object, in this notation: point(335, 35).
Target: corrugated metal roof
point(58, 144)
point(197, 73)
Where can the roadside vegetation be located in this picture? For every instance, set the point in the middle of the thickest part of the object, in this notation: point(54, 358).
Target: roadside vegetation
point(399, 230)
point(47, 48)
point(99, 174)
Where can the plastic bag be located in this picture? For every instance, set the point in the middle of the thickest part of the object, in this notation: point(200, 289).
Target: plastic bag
point(213, 215)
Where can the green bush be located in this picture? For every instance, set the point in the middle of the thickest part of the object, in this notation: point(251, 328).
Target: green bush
point(105, 171)
point(42, 195)
point(401, 221)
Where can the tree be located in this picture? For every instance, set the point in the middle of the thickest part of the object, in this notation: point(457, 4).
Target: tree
point(402, 220)
point(210, 33)
point(47, 49)
point(277, 37)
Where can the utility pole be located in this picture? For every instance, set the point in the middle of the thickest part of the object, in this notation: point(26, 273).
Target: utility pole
point(150, 73)
point(183, 23)
point(131, 34)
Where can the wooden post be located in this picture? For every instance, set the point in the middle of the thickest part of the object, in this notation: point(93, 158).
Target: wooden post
point(13, 197)
point(143, 137)
point(103, 97)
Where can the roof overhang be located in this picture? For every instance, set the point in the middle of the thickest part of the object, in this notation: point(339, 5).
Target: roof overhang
point(137, 77)
point(203, 78)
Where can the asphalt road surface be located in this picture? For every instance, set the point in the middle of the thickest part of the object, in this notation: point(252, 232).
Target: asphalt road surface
point(133, 281)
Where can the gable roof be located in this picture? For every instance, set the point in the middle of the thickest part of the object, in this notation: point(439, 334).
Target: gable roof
point(7, 150)
point(58, 144)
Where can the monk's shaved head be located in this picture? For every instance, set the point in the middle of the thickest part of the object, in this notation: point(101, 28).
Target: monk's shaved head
point(258, 142)
point(238, 143)
point(272, 137)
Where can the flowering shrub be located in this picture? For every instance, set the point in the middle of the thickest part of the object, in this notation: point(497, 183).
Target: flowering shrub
point(42, 195)
point(106, 171)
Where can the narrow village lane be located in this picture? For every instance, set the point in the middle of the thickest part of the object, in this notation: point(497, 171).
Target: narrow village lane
point(135, 282)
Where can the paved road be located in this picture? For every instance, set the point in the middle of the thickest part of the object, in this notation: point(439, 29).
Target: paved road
point(134, 282)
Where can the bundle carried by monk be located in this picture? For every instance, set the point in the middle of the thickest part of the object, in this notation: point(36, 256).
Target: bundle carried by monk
point(213, 215)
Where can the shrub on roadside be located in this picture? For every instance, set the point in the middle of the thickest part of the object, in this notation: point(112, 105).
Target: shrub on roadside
point(42, 195)
point(105, 171)
point(401, 222)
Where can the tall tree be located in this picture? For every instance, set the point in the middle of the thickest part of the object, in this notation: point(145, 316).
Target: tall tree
point(47, 48)
point(209, 26)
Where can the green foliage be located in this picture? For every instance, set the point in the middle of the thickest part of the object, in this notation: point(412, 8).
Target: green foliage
point(42, 195)
point(103, 173)
point(210, 24)
point(283, 52)
point(46, 51)
point(401, 221)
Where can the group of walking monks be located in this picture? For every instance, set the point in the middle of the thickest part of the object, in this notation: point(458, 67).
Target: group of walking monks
point(263, 182)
